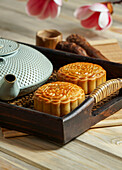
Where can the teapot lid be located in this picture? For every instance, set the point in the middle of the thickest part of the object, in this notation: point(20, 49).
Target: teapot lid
point(8, 47)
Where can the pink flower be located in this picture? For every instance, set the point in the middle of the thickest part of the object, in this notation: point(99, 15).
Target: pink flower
point(94, 16)
point(44, 8)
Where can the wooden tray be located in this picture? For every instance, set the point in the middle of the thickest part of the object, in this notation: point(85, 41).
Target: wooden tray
point(62, 129)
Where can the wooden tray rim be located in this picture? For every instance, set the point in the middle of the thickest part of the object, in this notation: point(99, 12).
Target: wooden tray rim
point(63, 120)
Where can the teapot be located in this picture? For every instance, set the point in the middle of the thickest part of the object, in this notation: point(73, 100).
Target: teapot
point(22, 69)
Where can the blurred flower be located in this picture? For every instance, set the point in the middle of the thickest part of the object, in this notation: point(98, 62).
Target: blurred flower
point(95, 16)
point(44, 8)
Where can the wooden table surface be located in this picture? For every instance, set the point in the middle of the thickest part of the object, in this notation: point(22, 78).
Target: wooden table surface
point(98, 148)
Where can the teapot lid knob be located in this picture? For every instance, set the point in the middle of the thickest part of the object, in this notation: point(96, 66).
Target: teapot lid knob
point(8, 47)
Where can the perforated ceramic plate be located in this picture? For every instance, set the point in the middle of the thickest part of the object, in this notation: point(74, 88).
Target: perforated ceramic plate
point(30, 67)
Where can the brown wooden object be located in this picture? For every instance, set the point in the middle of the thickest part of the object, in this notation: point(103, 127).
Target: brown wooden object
point(63, 129)
point(48, 38)
point(70, 47)
point(81, 41)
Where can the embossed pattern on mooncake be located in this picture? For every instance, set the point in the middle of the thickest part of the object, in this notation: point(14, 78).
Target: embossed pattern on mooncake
point(58, 98)
point(86, 75)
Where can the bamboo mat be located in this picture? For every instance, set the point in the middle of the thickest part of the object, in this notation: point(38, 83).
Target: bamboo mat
point(111, 50)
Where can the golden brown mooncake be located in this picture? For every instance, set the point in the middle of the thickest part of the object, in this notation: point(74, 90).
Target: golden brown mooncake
point(86, 75)
point(58, 98)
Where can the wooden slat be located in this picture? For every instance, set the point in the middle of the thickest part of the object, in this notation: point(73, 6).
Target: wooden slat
point(9, 163)
point(112, 51)
point(11, 133)
point(103, 138)
point(44, 154)
point(103, 42)
point(4, 164)
point(114, 120)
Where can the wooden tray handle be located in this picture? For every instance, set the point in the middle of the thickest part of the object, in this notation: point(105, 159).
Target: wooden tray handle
point(106, 89)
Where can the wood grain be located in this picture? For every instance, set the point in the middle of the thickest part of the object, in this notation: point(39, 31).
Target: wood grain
point(75, 155)
point(103, 138)
point(104, 46)
point(6, 165)
point(7, 133)
point(98, 148)
point(59, 128)
point(7, 162)
point(113, 120)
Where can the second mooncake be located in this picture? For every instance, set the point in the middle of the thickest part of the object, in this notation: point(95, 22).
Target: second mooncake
point(86, 75)
point(58, 98)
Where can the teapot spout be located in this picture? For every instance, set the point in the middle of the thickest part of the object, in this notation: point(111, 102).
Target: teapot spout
point(9, 88)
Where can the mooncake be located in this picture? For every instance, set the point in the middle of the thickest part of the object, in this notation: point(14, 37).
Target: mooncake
point(58, 98)
point(86, 75)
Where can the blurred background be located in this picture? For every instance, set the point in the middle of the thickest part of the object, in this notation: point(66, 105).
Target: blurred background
point(16, 24)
